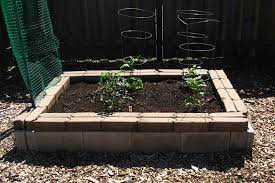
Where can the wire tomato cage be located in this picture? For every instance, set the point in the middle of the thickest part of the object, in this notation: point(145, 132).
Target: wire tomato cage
point(139, 16)
point(196, 43)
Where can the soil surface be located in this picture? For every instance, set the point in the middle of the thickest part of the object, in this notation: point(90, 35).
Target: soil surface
point(160, 96)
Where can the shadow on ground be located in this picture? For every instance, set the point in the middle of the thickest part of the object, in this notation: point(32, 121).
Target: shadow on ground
point(6, 134)
point(12, 87)
point(251, 82)
point(210, 161)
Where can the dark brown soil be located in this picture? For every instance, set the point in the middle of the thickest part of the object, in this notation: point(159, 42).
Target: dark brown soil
point(160, 96)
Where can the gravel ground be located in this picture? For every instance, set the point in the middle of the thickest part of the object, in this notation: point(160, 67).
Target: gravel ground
point(258, 166)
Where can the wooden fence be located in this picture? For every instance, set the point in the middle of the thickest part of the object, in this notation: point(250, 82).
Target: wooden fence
point(91, 28)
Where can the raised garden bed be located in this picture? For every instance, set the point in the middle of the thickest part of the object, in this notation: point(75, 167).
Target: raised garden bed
point(68, 118)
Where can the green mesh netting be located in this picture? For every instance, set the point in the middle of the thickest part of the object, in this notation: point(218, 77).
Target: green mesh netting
point(34, 44)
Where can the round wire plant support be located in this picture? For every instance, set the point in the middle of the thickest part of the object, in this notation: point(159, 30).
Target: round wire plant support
point(136, 34)
point(204, 77)
point(194, 12)
point(137, 29)
point(196, 20)
point(136, 13)
point(190, 62)
point(192, 35)
point(195, 47)
point(189, 18)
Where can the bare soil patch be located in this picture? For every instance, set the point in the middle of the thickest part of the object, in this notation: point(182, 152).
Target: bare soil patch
point(157, 96)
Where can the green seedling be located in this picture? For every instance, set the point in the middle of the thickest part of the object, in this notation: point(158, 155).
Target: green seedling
point(197, 85)
point(191, 72)
point(130, 62)
point(115, 89)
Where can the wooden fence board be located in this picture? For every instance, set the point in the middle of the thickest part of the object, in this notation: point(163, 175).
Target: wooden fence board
point(91, 28)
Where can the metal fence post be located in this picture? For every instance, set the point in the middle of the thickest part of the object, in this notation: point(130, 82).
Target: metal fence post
point(159, 29)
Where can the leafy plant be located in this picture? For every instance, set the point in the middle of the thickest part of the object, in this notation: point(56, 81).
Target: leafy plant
point(134, 83)
point(130, 62)
point(192, 71)
point(196, 84)
point(115, 89)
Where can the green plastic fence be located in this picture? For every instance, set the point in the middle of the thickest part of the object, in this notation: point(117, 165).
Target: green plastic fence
point(34, 44)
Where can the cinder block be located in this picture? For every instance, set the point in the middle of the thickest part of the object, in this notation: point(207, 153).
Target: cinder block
point(84, 124)
point(228, 124)
point(218, 84)
point(229, 105)
point(192, 115)
point(141, 73)
point(35, 113)
point(155, 124)
point(157, 115)
point(48, 101)
point(170, 71)
point(56, 91)
point(156, 142)
point(199, 71)
point(31, 142)
point(147, 72)
point(50, 124)
point(115, 114)
point(49, 141)
point(223, 94)
point(73, 141)
point(125, 114)
point(233, 94)
point(227, 84)
point(85, 114)
point(250, 137)
point(168, 75)
point(20, 140)
point(203, 71)
point(107, 141)
point(64, 82)
point(238, 141)
point(226, 114)
point(242, 141)
point(221, 74)
point(119, 124)
point(204, 142)
point(213, 74)
point(59, 141)
point(55, 115)
point(93, 73)
point(18, 122)
point(177, 71)
point(240, 106)
point(191, 125)
point(74, 73)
